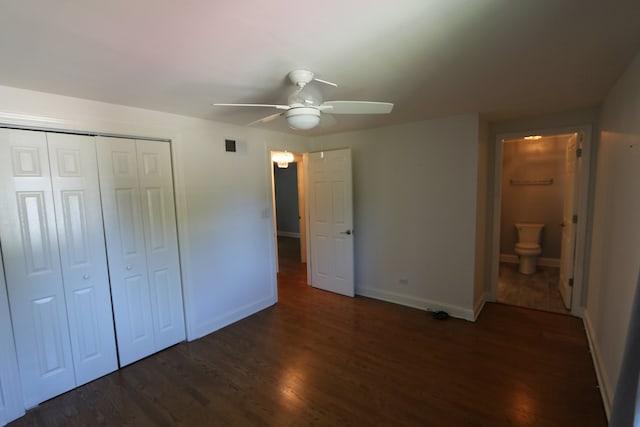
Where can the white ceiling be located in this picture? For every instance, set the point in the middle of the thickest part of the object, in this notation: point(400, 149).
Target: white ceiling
point(432, 58)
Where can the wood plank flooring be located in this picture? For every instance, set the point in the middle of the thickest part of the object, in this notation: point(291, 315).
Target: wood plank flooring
point(317, 358)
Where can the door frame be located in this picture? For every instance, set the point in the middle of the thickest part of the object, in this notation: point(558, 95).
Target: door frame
point(300, 157)
point(578, 297)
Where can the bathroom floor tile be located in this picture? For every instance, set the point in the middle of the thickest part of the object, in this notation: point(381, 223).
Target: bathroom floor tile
point(538, 290)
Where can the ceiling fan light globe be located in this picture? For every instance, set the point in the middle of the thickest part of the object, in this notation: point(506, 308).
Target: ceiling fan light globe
point(303, 118)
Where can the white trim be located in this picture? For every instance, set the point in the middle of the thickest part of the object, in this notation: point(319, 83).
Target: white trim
point(305, 165)
point(420, 303)
point(272, 216)
point(545, 262)
point(182, 226)
point(477, 309)
point(288, 234)
point(87, 126)
point(605, 391)
point(232, 317)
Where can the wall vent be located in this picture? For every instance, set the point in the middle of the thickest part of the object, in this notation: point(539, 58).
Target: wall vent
point(230, 145)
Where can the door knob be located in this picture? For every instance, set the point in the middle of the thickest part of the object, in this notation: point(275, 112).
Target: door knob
point(129, 267)
point(85, 277)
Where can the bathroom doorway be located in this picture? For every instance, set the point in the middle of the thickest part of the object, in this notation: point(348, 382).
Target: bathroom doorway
point(538, 181)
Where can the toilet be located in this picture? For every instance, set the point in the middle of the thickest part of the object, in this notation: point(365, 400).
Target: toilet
point(528, 246)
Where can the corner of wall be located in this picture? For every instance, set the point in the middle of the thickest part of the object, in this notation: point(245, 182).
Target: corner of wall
point(604, 386)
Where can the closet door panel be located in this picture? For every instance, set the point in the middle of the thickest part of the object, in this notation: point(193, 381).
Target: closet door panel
point(83, 255)
point(11, 406)
point(32, 267)
point(158, 211)
point(124, 232)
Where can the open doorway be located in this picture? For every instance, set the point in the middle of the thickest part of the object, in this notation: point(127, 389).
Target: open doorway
point(324, 186)
point(538, 242)
point(289, 209)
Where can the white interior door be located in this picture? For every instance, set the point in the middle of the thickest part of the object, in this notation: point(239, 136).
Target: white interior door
point(83, 257)
point(331, 221)
point(567, 255)
point(32, 267)
point(124, 233)
point(11, 406)
point(163, 269)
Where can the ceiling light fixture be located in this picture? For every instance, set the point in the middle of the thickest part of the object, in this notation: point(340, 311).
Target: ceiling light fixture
point(282, 158)
point(303, 118)
point(533, 137)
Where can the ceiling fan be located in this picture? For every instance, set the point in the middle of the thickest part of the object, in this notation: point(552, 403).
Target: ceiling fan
point(305, 105)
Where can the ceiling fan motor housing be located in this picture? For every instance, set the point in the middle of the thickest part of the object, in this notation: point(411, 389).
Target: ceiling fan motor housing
point(301, 77)
point(303, 118)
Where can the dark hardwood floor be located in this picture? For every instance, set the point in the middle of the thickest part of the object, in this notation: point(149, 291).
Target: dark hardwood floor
point(317, 358)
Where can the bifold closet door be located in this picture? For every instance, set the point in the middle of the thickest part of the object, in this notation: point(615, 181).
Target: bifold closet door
point(76, 195)
point(32, 267)
point(139, 219)
point(159, 219)
point(55, 261)
point(11, 406)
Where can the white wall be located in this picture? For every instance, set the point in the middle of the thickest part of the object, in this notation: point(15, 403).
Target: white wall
point(415, 192)
point(223, 200)
point(615, 248)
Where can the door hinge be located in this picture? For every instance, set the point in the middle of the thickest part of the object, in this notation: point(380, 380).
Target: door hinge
point(571, 282)
point(579, 152)
point(574, 219)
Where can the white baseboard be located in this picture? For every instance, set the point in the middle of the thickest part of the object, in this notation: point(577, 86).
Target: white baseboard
point(288, 234)
point(421, 303)
point(605, 392)
point(479, 305)
point(231, 317)
point(545, 262)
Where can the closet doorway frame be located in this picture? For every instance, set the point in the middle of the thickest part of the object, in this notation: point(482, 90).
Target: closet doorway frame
point(106, 128)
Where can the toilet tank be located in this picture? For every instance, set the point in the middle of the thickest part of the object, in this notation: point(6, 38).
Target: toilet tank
point(529, 233)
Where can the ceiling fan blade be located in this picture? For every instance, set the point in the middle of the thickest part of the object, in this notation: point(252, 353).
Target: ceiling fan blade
point(327, 121)
point(265, 119)
point(356, 107)
point(280, 107)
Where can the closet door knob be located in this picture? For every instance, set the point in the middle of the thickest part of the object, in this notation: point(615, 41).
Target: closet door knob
point(129, 267)
point(85, 277)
